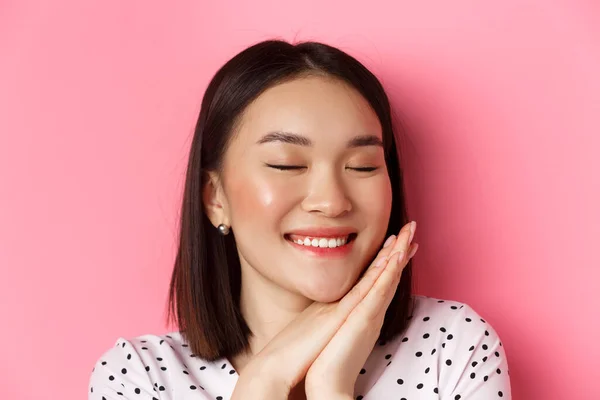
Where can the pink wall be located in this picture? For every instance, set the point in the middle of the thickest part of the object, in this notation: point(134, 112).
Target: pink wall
point(97, 104)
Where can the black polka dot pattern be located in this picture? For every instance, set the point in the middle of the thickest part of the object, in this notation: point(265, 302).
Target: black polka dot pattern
point(448, 351)
point(140, 368)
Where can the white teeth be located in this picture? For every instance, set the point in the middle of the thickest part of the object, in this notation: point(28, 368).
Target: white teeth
point(322, 242)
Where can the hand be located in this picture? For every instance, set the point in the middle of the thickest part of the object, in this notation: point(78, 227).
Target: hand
point(286, 359)
point(333, 374)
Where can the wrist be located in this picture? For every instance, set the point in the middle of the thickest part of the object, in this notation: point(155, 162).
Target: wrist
point(256, 383)
point(256, 388)
point(331, 396)
point(327, 390)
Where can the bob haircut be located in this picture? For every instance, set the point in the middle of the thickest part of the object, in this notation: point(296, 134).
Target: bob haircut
point(204, 292)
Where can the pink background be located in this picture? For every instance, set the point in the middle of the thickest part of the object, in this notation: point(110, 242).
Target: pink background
point(97, 104)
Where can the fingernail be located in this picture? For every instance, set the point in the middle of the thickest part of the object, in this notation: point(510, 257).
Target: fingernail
point(413, 251)
point(413, 227)
point(389, 241)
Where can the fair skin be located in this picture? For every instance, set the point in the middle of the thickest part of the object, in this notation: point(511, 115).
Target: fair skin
point(295, 298)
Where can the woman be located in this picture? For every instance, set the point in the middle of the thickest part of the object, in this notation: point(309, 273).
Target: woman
point(293, 274)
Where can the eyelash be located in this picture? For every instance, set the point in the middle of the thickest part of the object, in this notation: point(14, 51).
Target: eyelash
point(296, 167)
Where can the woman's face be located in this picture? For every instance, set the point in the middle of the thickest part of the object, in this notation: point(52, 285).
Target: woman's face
point(305, 187)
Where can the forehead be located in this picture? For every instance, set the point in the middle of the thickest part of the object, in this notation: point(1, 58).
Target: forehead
point(317, 107)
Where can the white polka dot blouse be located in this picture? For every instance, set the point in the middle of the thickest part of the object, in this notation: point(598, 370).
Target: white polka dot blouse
point(448, 352)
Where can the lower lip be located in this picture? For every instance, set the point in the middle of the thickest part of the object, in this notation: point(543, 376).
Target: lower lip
point(332, 252)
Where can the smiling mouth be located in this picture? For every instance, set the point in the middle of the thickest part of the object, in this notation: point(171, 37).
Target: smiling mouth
point(320, 242)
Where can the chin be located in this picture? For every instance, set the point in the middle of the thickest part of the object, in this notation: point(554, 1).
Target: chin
point(326, 294)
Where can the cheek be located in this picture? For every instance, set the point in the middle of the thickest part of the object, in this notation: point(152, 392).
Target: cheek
point(376, 202)
point(376, 207)
point(254, 199)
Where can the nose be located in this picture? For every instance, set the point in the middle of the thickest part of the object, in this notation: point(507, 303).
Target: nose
point(327, 196)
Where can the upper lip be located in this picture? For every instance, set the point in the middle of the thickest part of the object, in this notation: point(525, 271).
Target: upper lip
point(324, 232)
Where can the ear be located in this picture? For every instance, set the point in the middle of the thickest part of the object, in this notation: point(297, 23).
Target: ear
point(214, 200)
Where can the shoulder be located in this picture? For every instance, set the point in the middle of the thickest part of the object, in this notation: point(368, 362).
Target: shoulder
point(448, 348)
point(451, 321)
point(138, 367)
point(430, 311)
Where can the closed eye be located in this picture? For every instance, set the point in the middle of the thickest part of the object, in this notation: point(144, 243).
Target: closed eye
point(297, 167)
point(363, 169)
point(285, 167)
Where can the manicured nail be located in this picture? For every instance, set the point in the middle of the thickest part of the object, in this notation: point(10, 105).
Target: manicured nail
point(413, 251)
point(413, 227)
point(389, 241)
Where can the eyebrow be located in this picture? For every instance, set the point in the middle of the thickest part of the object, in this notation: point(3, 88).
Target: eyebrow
point(299, 140)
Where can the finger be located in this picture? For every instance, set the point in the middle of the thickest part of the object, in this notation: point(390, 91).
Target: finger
point(384, 252)
point(405, 237)
point(387, 251)
point(362, 325)
point(365, 283)
point(373, 305)
point(379, 297)
point(360, 289)
point(413, 250)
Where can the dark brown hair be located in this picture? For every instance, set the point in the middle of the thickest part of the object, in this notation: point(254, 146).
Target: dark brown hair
point(205, 286)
